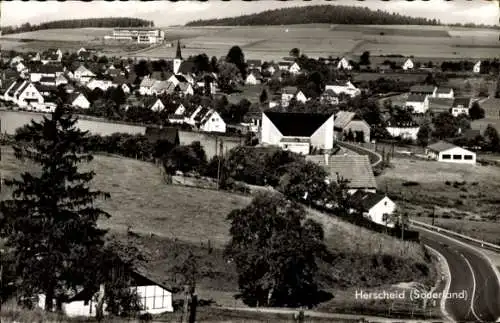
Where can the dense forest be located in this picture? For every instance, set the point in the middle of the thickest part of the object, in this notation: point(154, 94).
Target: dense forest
point(80, 23)
point(327, 14)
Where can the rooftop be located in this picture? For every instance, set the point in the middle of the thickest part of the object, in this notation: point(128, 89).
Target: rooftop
point(297, 124)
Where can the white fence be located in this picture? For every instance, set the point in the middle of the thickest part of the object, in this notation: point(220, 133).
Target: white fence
point(482, 243)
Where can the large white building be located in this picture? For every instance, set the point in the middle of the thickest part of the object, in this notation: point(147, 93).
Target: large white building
point(445, 152)
point(139, 35)
point(297, 132)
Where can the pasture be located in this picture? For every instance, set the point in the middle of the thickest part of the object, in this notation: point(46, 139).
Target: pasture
point(167, 221)
point(275, 42)
point(457, 190)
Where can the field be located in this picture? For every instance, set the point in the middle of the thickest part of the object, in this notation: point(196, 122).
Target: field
point(274, 42)
point(460, 192)
point(166, 221)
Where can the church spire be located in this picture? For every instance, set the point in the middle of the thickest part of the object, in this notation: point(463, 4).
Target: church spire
point(178, 54)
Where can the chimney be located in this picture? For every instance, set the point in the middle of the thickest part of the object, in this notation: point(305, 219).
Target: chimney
point(326, 159)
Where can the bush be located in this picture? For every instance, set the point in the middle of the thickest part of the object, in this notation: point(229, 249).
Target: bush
point(410, 183)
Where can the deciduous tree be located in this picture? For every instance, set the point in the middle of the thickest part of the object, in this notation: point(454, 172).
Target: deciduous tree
point(274, 248)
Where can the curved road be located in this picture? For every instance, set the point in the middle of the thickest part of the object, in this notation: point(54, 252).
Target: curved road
point(471, 273)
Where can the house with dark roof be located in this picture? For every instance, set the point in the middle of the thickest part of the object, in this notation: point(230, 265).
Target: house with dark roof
point(297, 132)
point(424, 90)
point(356, 169)
point(419, 103)
point(346, 122)
point(376, 207)
point(440, 105)
point(461, 106)
point(291, 92)
point(254, 64)
point(443, 151)
point(329, 97)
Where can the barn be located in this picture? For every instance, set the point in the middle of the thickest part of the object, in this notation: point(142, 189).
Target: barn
point(443, 151)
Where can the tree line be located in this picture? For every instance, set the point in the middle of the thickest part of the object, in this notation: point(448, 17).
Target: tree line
point(326, 14)
point(80, 23)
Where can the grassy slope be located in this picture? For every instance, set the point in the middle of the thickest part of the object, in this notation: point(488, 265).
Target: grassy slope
point(169, 220)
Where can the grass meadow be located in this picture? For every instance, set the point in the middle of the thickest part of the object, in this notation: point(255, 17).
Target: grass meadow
point(275, 42)
point(167, 221)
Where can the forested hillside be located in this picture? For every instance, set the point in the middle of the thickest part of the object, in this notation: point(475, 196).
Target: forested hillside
point(80, 23)
point(328, 14)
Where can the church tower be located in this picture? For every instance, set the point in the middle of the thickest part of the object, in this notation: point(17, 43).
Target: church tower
point(178, 58)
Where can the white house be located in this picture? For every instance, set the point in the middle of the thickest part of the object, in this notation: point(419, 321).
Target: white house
point(477, 67)
point(252, 79)
point(376, 207)
point(83, 75)
point(20, 67)
point(186, 88)
point(212, 122)
point(81, 50)
point(78, 100)
point(297, 132)
point(408, 65)
point(445, 93)
point(101, 84)
point(290, 92)
point(24, 94)
point(146, 86)
point(461, 106)
point(346, 88)
point(301, 97)
point(157, 106)
point(403, 131)
point(125, 88)
point(155, 298)
point(190, 118)
point(445, 152)
point(180, 110)
point(419, 103)
point(344, 64)
point(294, 68)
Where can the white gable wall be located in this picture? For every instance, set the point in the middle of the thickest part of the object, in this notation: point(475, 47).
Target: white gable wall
point(323, 137)
point(377, 212)
point(214, 124)
point(81, 102)
point(269, 133)
point(30, 93)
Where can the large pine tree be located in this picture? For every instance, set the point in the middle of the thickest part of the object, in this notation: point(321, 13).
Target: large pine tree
point(50, 222)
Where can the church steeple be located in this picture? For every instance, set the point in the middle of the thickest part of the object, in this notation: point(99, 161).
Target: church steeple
point(178, 54)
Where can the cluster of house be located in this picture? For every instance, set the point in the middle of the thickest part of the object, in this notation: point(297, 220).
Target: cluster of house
point(313, 135)
point(33, 83)
point(423, 98)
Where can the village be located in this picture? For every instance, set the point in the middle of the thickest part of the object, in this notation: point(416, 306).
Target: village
point(348, 115)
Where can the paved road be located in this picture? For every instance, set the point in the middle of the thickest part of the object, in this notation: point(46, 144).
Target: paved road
point(471, 273)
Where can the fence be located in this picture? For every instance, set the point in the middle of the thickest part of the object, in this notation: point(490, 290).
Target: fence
point(483, 244)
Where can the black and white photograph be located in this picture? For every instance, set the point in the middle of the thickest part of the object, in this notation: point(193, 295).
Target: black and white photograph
point(249, 161)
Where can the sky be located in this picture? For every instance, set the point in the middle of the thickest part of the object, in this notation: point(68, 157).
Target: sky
point(166, 13)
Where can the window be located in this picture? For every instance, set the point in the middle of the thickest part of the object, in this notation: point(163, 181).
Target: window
point(468, 157)
point(385, 203)
point(457, 157)
point(446, 156)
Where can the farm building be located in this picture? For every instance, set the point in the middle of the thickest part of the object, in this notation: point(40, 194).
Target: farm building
point(155, 298)
point(445, 152)
point(349, 121)
point(354, 168)
point(139, 35)
point(418, 102)
point(376, 207)
point(297, 132)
